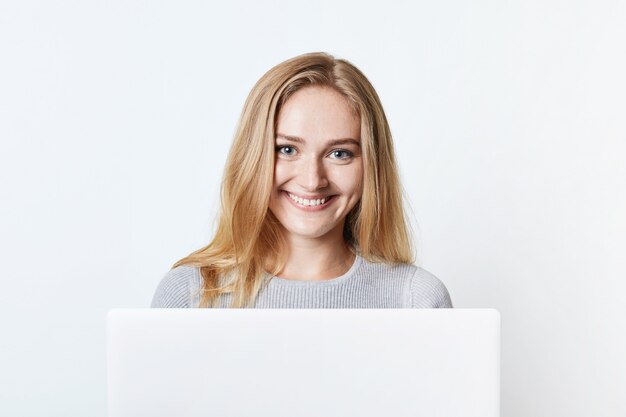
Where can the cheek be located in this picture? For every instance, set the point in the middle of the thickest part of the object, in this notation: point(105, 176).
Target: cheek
point(360, 177)
point(349, 180)
point(280, 173)
point(354, 179)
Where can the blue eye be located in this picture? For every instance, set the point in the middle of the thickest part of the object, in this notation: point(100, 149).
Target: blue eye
point(286, 150)
point(342, 154)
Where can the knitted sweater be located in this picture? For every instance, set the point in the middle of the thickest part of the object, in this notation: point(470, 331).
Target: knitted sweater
point(364, 285)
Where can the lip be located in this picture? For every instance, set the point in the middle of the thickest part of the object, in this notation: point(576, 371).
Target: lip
point(330, 200)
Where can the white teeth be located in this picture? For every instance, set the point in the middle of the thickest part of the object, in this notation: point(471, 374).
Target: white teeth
point(305, 202)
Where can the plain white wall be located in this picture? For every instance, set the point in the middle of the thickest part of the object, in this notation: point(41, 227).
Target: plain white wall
point(508, 117)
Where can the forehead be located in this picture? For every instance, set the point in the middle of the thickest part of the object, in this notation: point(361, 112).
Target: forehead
point(318, 113)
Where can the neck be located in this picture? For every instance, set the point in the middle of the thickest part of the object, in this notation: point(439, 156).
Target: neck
point(317, 259)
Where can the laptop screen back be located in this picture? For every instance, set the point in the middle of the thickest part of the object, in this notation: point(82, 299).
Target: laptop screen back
point(303, 362)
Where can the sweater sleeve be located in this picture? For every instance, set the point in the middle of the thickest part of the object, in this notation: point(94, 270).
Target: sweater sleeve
point(427, 291)
point(173, 291)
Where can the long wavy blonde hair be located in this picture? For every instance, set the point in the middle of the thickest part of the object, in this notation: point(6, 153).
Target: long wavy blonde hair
point(248, 243)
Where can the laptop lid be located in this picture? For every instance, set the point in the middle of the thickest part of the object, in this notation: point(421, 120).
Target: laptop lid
point(303, 362)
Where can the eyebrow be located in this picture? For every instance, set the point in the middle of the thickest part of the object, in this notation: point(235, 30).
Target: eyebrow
point(333, 142)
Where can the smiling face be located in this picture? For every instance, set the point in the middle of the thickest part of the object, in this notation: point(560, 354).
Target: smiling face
point(318, 173)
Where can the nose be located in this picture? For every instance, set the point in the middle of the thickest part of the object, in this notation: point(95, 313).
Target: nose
point(312, 175)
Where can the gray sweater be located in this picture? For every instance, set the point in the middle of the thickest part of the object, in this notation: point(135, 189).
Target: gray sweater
point(365, 285)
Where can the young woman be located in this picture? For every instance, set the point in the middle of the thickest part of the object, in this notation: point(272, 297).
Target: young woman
point(311, 212)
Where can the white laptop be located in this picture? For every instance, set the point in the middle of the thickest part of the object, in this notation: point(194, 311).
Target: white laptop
point(303, 362)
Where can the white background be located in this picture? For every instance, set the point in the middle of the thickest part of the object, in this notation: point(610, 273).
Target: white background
point(509, 124)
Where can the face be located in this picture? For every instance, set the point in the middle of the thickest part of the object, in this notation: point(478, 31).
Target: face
point(318, 173)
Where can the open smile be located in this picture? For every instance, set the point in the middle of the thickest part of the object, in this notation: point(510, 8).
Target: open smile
point(315, 203)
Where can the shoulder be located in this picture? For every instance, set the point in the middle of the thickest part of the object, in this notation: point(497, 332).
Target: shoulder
point(420, 288)
point(174, 289)
point(377, 270)
point(428, 291)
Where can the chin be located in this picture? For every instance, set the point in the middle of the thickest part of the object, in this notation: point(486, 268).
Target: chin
point(311, 232)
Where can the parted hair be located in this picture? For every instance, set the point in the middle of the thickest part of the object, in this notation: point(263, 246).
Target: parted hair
point(248, 245)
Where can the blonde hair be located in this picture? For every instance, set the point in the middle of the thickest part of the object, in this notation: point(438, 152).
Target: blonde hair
point(248, 241)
